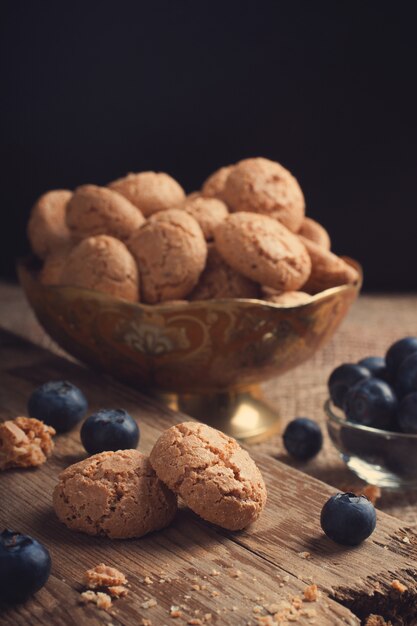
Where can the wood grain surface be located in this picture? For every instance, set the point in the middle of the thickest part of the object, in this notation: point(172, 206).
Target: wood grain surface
point(374, 322)
point(263, 565)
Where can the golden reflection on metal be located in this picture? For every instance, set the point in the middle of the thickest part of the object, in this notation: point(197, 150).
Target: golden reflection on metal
point(207, 357)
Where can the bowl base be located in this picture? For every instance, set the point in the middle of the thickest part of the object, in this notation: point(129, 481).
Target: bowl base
point(242, 414)
point(377, 475)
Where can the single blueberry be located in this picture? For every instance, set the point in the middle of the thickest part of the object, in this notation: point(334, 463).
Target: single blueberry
point(25, 565)
point(398, 352)
point(406, 381)
point(376, 365)
point(371, 402)
point(343, 378)
point(348, 519)
point(59, 404)
point(407, 414)
point(302, 438)
point(109, 429)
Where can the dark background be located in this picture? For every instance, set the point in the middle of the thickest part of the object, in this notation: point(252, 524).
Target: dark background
point(95, 89)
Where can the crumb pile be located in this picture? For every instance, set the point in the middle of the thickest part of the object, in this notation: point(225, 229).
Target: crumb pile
point(25, 442)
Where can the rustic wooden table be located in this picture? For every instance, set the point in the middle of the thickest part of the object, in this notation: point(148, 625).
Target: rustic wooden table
point(262, 566)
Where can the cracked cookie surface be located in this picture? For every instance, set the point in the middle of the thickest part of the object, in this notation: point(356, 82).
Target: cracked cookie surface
point(25, 442)
point(263, 250)
point(47, 228)
point(104, 264)
point(215, 477)
point(116, 494)
point(150, 191)
point(213, 186)
point(209, 212)
point(266, 187)
point(171, 252)
point(219, 280)
point(327, 269)
point(95, 210)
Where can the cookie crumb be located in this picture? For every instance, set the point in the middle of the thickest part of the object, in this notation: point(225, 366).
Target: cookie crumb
point(195, 621)
point(311, 593)
point(398, 586)
point(118, 591)
point(147, 581)
point(25, 442)
point(305, 555)
point(100, 599)
point(376, 620)
point(214, 572)
point(148, 604)
point(175, 612)
point(235, 573)
point(145, 622)
point(406, 539)
point(104, 576)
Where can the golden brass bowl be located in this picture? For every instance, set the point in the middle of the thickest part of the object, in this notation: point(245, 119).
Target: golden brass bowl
point(209, 354)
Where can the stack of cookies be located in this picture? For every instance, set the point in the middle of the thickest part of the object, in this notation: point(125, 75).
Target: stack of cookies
point(141, 238)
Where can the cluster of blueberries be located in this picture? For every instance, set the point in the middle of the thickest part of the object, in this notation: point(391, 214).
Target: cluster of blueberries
point(380, 392)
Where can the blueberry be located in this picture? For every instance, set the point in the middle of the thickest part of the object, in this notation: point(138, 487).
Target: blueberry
point(376, 365)
point(406, 381)
point(343, 378)
point(371, 402)
point(25, 565)
point(109, 429)
point(348, 519)
point(59, 404)
point(302, 438)
point(398, 352)
point(407, 414)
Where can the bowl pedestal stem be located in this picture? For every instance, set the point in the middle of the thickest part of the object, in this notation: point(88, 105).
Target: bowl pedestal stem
point(242, 414)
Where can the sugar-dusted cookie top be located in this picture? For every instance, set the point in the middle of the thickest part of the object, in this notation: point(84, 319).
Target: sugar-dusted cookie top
point(266, 187)
point(215, 477)
point(263, 250)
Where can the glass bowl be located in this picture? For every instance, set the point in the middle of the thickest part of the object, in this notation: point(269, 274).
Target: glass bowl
point(379, 457)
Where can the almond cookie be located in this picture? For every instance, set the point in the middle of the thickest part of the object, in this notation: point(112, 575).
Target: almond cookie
point(214, 185)
point(47, 228)
point(216, 478)
point(310, 229)
point(95, 210)
point(209, 212)
point(116, 494)
point(150, 191)
point(328, 270)
point(104, 264)
point(219, 280)
point(25, 442)
point(263, 250)
point(263, 186)
point(171, 252)
point(52, 268)
point(289, 298)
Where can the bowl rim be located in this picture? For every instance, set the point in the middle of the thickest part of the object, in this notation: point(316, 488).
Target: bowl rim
point(25, 264)
point(342, 421)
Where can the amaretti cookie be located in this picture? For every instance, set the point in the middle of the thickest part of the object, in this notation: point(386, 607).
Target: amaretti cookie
point(310, 229)
point(215, 477)
point(219, 280)
point(25, 442)
point(288, 298)
point(116, 494)
point(104, 264)
point(150, 191)
point(263, 250)
point(209, 212)
point(47, 228)
point(263, 186)
point(95, 210)
point(328, 270)
point(171, 252)
point(52, 268)
point(214, 185)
